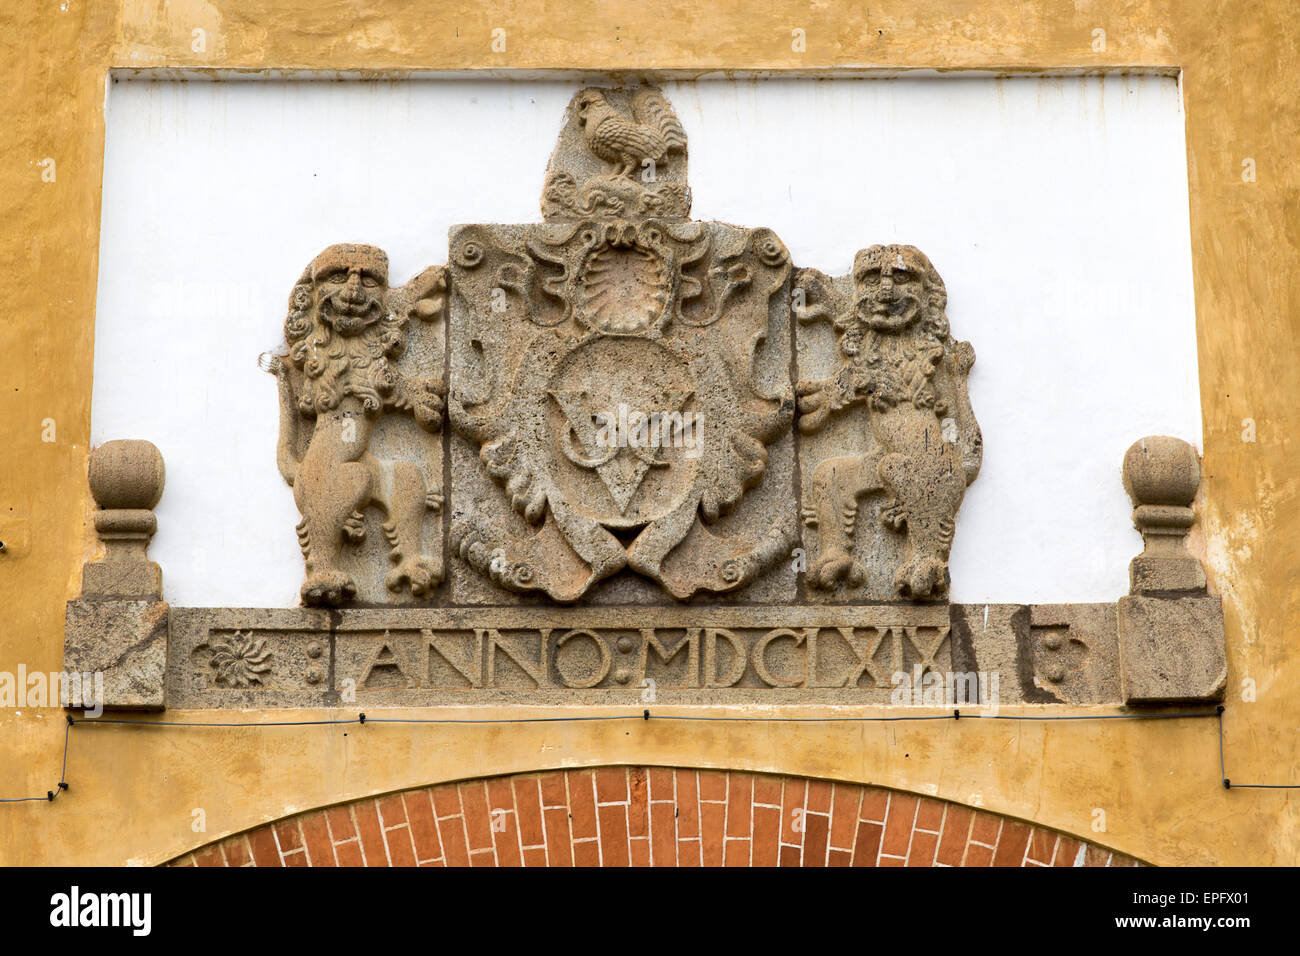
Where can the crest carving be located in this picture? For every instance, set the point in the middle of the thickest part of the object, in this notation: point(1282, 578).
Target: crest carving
point(639, 407)
point(620, 371)
point(620, 154)
point(622, 400)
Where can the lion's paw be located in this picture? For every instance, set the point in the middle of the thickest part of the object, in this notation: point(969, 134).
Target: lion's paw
point(857, 575)
point(893, 514)
point(922, 576)
point(418, 572)
point(833, 566)
point(354, 528)
point(328, 587)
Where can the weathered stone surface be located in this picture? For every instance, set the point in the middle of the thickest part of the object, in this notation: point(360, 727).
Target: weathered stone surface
point(360, 404)
point(889, 442)
point(234, 657)
point(126, 474)
point(1172, 649)
point(117, 632)
point(1042, 654)
point(849, 654)
point(622, 375)
point(121, 579)
point(621, 154)
point(621, 402)
point(997, 636)
point(126, 478)
point(251, 657)
point(1171, 632)
point(1074, 652)
point(1161, 475)
point(126, 643)
point(622, 384)
point(1160, 470)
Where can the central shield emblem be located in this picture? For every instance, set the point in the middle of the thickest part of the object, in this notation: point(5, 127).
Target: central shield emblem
point(625, 420)
point(618, 375)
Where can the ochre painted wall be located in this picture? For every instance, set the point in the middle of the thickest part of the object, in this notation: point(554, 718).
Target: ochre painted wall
point(134, 790)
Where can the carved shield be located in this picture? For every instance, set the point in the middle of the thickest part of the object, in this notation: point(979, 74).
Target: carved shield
point(622, 381)
point(617, 375)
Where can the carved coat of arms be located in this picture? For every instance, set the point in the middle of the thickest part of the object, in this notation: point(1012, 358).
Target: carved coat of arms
point(621, 400)
point(618, 371)
point(623, 407)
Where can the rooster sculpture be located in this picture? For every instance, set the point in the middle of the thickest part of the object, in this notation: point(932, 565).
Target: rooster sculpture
point(652, 134)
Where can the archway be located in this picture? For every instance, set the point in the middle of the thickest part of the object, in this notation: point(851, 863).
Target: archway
point(650, 816)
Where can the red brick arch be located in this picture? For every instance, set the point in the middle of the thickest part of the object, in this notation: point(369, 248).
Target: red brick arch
point(649, 816)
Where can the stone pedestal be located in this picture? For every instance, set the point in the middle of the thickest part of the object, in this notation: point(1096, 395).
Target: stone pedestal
point(1170, 630)
point(1172, 649)
point(115, 634)
point(126, 643)
point(1161, 475)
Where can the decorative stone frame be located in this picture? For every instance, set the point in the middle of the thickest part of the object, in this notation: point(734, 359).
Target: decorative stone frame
point(530, 338)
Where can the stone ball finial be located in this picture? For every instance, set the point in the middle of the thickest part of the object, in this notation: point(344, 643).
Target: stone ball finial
point(1163, 471)
point(126, 474)
point(1161, 475)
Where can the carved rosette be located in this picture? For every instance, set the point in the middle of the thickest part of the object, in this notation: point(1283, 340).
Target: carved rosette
point(240, 660)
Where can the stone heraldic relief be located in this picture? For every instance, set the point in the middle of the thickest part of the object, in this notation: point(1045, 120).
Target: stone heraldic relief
point(622, 374)
point(676, 468)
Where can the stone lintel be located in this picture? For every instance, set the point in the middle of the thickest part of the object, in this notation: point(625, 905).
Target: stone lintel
point(633, 656)
point(131, 580)
point(1042, 653)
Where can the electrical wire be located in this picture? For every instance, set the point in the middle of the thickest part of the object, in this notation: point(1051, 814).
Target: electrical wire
point(361, 719)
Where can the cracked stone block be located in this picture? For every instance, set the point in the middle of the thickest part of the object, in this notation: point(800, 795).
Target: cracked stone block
point(1172, 649)
point(126, 642)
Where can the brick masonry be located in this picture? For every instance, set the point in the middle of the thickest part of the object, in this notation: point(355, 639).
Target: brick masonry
point(650, 816)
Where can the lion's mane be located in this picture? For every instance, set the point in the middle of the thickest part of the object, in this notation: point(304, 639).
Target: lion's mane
point(899, 366)
point(335, 366)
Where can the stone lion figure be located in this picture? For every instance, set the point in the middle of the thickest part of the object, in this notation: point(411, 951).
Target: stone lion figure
point(900, 364)
point(345, 329)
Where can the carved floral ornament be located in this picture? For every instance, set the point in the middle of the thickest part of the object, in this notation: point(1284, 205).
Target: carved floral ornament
point(240, 660)
point(737, 476)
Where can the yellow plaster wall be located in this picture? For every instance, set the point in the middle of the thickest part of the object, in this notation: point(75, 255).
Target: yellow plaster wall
point(134, 789)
